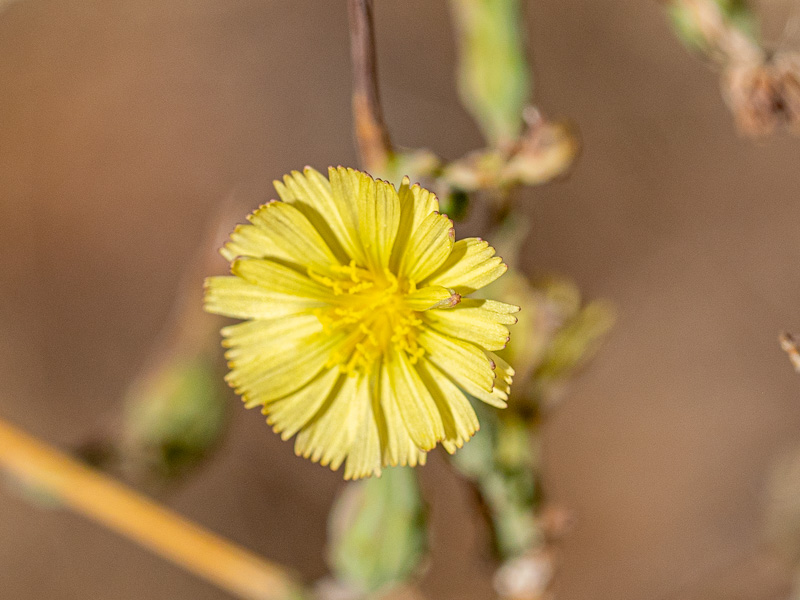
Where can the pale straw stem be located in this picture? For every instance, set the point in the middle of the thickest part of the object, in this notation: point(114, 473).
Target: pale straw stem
point(132, 515)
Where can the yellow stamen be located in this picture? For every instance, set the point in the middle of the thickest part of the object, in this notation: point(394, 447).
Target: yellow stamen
point(370, 305)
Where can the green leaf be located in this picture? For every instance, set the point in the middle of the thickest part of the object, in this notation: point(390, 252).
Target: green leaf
point(494, 79)
point(377, 531)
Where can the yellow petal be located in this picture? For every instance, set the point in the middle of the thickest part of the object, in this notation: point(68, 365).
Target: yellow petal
point(470, 266)
point(254, 339)
point(329, 435)
point(249, 240)
point(417, 408)
point(310, 192)
point(282, 282)
point(460, 420)
point(299, 242)
point(496, 397)
point(493, 305)
point(269, 376)
point(397, 447)
point(473, 323)
point(504, 373)
point(431, 296)
point(235, 297)
point(416, 204)
point(429, 246)
point(461, 360)
point(378, 217)
point(345, 186)
point(364, 457)
point(290, 414)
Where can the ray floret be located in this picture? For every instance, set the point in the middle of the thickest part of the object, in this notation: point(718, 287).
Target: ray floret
point(358, 337)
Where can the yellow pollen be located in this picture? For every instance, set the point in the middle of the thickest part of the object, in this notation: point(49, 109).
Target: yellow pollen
point(370, 309)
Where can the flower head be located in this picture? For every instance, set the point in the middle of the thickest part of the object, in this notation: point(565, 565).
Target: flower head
point(359, 336)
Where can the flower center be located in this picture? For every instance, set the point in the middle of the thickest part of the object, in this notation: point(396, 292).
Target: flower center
point(370, 308)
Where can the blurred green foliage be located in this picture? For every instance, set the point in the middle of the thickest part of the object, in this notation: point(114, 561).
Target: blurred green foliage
point(734, 13)
point(494, 78)
point(501, 460)
point(378, 531)
point(557, 333)
point(175, 415)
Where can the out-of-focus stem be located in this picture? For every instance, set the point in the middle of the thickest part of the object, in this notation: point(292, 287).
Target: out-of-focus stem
point(724, 41)
point(372, 135)
point(188, 328)
point(166, 533)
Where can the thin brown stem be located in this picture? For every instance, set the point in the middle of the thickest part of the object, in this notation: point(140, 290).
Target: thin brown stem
point(371, 132)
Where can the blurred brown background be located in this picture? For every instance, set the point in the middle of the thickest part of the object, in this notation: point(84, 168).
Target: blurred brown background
point(122, 126)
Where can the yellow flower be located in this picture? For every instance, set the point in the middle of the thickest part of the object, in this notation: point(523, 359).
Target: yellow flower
point(359, 338)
